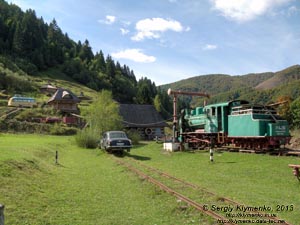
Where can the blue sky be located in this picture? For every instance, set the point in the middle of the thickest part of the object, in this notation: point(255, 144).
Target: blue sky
point(170, 40)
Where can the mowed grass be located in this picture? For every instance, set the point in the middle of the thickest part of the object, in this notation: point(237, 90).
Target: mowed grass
point(86, 187)
point(250, 179)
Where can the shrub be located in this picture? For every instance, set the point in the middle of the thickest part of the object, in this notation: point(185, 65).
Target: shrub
point(56, 129)
point(26, 66)
point(87, 138)
point(59, 129)
point(134, 136)
point(29, 114)
point(295, 112)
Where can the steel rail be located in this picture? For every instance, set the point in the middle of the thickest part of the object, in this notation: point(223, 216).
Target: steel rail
point(196, 187)
point(167, 189)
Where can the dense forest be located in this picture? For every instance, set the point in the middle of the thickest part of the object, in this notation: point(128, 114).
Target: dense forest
point(36, 46)
point(29, 46)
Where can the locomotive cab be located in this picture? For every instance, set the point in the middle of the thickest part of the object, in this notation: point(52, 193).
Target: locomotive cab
point(217, 115)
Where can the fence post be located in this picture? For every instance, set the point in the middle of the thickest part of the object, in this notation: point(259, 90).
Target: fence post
point(1, 214)
point(56, 159)
point(211, 151)
point(211, 155)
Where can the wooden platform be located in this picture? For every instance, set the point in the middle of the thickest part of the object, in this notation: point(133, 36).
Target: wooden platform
point(295, 170)
point(294, 166)
point(296, 153)
point(247, 151)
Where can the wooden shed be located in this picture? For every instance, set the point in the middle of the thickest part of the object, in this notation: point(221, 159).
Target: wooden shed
point(65, 101)
point(144, 119)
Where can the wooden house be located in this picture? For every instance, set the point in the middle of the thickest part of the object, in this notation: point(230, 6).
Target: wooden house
point(65, 101)
point(143, 119)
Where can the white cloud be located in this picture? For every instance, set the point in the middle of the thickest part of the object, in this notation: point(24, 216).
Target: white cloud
point(187, 29)
point(152, 28)
point(210, 47)
point(245, 10)
point(135, 55)
point(293, 10)
point(124, 31)
point(108, 20)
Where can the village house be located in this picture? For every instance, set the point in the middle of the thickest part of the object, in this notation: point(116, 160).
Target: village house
point(65, 101)
point(144, 119)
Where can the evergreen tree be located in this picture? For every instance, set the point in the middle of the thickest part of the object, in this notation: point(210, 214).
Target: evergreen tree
point(86, 53)
point(54, 44)
point(110, 67)
point(98, 63)
point(146, 91)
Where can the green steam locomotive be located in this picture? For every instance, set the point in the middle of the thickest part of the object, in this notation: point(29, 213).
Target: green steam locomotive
point(237, 122)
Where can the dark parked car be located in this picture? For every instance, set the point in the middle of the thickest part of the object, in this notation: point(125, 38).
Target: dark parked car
point(115, 141)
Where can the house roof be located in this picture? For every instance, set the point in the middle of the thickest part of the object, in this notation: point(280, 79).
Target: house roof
point(64, 95)
point(48, 86)
point(141, 116)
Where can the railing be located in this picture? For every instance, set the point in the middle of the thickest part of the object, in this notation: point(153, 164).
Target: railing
point(262, 111)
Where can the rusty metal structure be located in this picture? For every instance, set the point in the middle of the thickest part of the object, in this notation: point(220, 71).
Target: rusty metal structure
point(175, 114)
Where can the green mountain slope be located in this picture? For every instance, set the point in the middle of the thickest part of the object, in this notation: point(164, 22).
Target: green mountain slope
point(285, 76)
point(218, 83)
point(259, 87)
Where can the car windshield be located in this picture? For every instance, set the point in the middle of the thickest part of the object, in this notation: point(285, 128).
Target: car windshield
point(117, 135)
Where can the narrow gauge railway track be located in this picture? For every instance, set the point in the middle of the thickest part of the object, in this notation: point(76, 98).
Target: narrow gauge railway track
point(182, 197)
point(200, 207)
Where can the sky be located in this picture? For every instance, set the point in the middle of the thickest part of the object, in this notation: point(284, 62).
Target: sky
point(171, 40)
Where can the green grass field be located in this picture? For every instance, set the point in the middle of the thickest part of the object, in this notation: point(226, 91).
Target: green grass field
point(88, 187)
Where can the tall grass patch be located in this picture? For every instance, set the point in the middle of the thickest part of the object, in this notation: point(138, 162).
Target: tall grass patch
point(87, 138)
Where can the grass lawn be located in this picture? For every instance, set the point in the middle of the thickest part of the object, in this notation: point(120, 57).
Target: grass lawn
point(250, 179)
point(88, 187)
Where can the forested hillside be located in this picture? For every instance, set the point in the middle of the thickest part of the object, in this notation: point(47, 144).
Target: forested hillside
point(30, 47)
point(285, 76)
point(29, 44)
point(258, 88)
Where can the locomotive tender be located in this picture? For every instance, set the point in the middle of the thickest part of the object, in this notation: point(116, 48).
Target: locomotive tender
point(235, 122)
